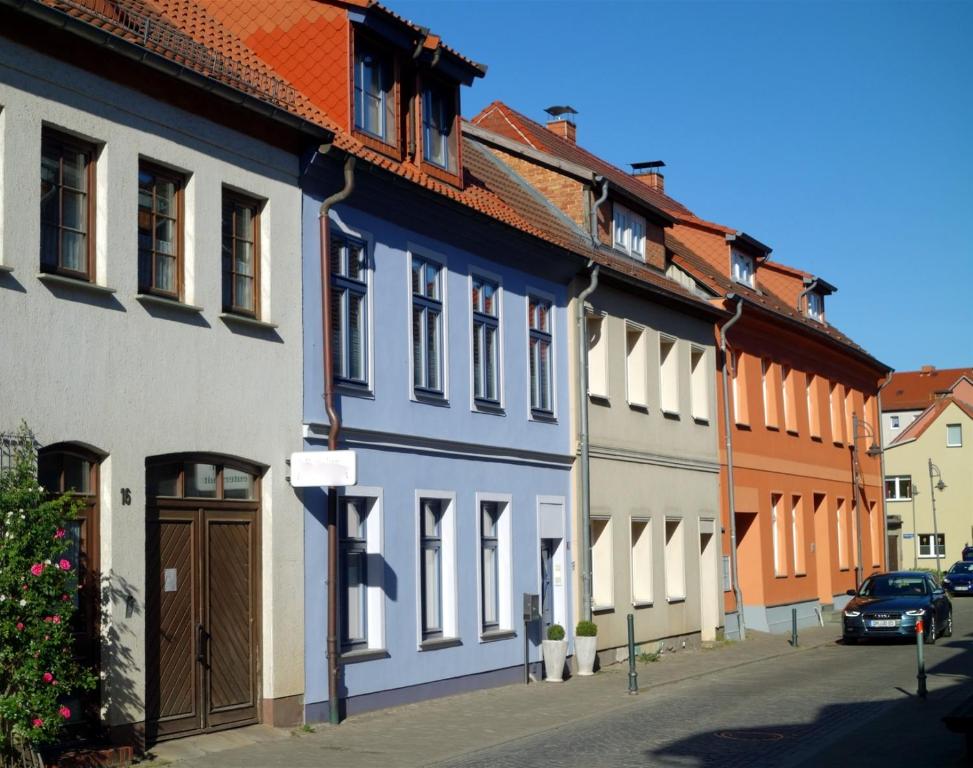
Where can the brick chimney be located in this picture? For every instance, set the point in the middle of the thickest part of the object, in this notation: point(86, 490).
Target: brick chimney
point(562, 121)
point(564, 129)
point(650, 174)
point(927, 369)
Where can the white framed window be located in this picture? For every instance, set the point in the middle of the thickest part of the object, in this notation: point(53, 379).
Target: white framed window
point(898, 488)
point(540, 334)
point(640, 543)
point(375, 108)
point(797, 535)
point(777, 536)
point(668, 374)
point(602, 585)
point(699, 379)
point(925, 545)
point(741, 268)
point(675, 560)
point(628, 231)
point(815, 306)
point(436, 574)
point(494, 563)
point(485, 300)
point(362, 607)
point(349, 309)
point(894, 422)
point(428, 307)
point(597, 355)
point(741, 405)
point(841, 534)
point(954, 435)
point(636, 366)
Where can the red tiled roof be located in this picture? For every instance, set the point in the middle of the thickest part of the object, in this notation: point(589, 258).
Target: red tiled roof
point(500, 118)
point(914, 390)
point(927, 418)
point(703, 271)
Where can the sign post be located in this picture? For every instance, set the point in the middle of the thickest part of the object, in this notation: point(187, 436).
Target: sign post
point(921, 676)
point(532, 612)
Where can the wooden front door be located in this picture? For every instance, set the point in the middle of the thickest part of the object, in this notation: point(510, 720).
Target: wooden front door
point(202, 625)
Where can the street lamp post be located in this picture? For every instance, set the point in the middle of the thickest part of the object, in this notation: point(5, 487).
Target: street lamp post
point(940, 486)
point(915, 533)
point(872, 452)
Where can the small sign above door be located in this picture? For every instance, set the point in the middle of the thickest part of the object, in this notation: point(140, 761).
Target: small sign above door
point(311, 469)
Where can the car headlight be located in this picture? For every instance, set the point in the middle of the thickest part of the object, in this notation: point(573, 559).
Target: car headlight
point(916, 612)
point(947, 582)
point(853, 614)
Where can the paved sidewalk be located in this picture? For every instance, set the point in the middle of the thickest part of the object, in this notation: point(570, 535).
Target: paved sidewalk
point(403, 736)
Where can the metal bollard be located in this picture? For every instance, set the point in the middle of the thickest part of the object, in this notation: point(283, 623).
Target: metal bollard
point(633, 676)
point(794, 627)
point(921, 676)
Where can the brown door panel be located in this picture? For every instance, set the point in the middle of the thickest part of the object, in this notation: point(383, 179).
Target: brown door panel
point(231, 653)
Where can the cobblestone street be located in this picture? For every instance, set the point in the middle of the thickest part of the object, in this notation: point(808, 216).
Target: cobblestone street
point(759, 703)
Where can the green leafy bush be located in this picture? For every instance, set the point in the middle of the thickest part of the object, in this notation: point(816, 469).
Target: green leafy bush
point(37, 588)
point(555, 632)
point(586, 629)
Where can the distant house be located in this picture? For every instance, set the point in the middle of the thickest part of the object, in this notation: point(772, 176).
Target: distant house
point(909, 393)
point(942, 434)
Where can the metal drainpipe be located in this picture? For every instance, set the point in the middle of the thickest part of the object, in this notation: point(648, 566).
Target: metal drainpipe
point(583, 408)
point(805, 292)
point(881, 464)
point(734, 569)
point(334, 429)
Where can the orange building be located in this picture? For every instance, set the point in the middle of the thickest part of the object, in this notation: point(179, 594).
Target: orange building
point(800, 394)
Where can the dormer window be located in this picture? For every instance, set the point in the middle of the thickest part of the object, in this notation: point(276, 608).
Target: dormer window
point(815, 307)
point(439, 126)
point(375, 107)
point(742, 268)
point(628, 232)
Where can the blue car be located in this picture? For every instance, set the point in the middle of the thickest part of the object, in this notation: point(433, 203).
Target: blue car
point(968, 553)
point(959, 579)
point(888, 605)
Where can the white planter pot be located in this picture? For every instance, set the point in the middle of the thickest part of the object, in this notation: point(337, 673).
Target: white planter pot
point(555, 653)
point(584, 654)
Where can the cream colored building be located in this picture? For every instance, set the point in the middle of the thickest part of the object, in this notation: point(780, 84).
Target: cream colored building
point(941, 434)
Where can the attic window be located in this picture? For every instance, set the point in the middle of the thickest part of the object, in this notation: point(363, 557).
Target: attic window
point(375, 108)
point(628, 231)
point(742, 268)
point(438, 126)
point(815, 307)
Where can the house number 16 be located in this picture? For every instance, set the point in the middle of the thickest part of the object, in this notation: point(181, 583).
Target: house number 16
point(126, 496)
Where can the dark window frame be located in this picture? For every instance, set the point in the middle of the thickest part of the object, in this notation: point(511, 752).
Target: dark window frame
point(53, 137)
point(431, 541)
point(491, 543)
point(483, 324)
point(179, 180)
point(536, 336)
point(342, 287)
point(451, 173)
point(429, 305)
point(222, 463)
point(353, 545)
point(239, 199)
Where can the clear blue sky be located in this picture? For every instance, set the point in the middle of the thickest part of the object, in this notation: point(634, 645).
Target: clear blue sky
point(840, 134)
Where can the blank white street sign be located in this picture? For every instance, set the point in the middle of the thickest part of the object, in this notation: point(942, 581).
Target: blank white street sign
point(315, 469)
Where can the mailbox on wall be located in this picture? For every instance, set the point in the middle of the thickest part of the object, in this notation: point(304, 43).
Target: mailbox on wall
point(532, 607)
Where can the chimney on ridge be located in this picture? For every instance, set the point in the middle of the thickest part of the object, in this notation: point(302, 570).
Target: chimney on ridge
point(562, 122)
point(649, 173)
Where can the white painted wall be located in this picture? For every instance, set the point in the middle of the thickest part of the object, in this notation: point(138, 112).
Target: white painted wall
point(134, 385)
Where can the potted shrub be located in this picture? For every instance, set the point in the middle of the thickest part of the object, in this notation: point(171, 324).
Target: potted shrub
point(37, 585)
point(555, 652)
point(585, 643)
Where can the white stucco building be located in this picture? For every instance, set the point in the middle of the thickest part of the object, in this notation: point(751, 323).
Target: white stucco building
point(150, 307)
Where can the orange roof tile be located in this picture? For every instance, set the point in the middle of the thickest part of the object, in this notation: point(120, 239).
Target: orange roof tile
point(913, 390)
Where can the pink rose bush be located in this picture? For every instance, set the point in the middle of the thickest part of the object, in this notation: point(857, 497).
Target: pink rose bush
point(38, 670)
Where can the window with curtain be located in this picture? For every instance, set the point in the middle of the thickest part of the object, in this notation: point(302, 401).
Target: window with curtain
point(375, 107)
point(438, 123)
point(541, 341)
point(485, 343)
point(159, 210)
point(628, 231)
point(349, 309)
point(67, 211)
point(241, 257)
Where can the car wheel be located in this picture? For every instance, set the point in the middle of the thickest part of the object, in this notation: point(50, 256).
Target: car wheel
point(931, 634)
point(849, 640)
point(948, 631)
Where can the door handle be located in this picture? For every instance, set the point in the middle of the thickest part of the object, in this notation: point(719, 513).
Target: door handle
point(200, 644)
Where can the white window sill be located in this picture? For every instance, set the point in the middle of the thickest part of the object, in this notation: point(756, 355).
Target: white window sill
point(676, 599)
point(643, 604)
point(670, 414)
point(73, 282)
point(641, 407)
point(703, 421)
point(230, 318)
point(162, 301)
point(602, 608)
point(599, 398)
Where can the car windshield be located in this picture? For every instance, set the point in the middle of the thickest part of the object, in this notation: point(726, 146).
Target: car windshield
point(962, 568)
point(893, 586)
